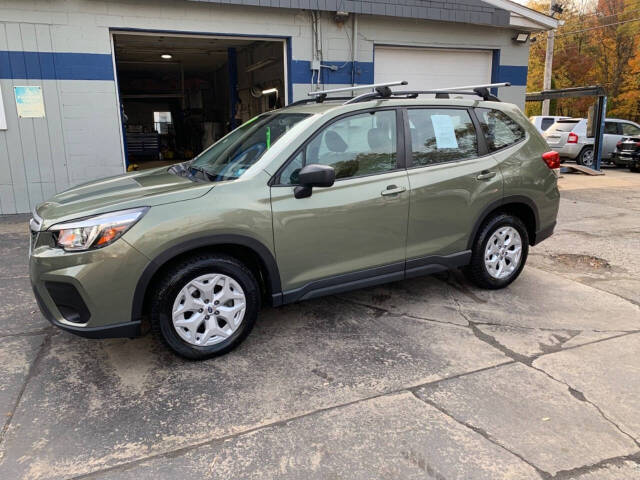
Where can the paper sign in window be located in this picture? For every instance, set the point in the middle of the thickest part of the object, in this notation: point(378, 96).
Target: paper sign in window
point(444, 131)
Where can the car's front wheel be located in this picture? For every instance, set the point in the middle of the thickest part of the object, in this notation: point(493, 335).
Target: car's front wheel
point(499, 252)
point(205, 306)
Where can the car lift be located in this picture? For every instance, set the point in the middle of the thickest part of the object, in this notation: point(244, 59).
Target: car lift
point(600, 114)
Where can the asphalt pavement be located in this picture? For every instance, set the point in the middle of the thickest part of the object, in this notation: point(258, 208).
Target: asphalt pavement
point(429, 378)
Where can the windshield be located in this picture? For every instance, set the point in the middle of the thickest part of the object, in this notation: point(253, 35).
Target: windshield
point(231, 156)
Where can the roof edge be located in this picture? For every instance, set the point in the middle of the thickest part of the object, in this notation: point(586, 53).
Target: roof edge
point(525, 17)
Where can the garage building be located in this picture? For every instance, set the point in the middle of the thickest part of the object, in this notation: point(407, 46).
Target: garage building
point(110, 85)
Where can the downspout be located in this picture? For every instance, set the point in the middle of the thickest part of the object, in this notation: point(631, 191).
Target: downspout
point(354, 48)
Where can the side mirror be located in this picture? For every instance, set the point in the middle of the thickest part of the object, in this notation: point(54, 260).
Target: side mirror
point(314, 175)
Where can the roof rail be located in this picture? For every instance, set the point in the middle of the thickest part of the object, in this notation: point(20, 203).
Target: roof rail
point(382, 89)
point(479, 90)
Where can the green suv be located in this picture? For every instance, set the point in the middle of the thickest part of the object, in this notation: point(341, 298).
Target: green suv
point(314, 199)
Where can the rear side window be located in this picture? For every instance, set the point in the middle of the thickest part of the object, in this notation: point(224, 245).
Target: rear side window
point(629, 129)
point(440, 135)
point(499, 129)
point(546, 123)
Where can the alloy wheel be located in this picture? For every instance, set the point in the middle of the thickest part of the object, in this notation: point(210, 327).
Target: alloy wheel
point(503, 252)
point(208, 309)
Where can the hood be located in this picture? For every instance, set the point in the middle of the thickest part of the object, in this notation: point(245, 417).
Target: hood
point(138, 189)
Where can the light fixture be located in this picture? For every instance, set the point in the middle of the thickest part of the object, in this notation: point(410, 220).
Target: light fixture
point(261, 64)
point(269, 91)
point(521, 37)
point(166, 56)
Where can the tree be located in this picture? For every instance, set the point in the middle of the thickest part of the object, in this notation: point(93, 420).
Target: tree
point(599, 43)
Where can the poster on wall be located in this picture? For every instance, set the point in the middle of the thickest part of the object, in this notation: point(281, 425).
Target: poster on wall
point(29, 102)
point(3, 117)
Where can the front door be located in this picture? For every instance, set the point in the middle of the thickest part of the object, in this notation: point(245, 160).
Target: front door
point(357, 227)
point(452, 182)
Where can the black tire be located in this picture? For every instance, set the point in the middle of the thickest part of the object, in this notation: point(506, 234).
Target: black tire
point(476, 271)
point(634, 169)
point(581, 160)
point(167, 289)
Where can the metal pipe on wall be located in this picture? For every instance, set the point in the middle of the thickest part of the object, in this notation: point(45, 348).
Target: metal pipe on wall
point(354, 48)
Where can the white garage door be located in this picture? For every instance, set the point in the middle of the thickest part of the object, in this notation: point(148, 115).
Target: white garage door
point(429, 68)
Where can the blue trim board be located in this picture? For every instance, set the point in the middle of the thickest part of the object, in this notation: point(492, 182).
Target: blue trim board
point(300, 72)
point(289, 70)
point(515, 74)
point(495, 69)
point(55, 66)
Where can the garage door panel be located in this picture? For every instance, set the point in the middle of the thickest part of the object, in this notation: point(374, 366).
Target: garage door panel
point(429, 68)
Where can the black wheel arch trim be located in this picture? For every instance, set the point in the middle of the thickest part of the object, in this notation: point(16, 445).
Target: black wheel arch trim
point(174, 251)
point(510, 199)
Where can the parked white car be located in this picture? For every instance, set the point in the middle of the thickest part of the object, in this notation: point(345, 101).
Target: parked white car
point(543, 122)
point(569, 138)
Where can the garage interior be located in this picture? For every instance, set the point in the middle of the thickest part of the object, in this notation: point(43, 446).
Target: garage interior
point(180, 94)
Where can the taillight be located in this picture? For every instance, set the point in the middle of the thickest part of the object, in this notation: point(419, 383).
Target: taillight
point(552, 159)
point(573, 138)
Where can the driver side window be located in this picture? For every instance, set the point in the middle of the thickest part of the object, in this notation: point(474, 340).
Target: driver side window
point(361, 144)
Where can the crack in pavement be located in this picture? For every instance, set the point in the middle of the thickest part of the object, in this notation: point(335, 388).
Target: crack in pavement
point(46, 343)
point(577, 394)
point(29, 333)
point(484, 434)
point(615, 461)
point(219, 440)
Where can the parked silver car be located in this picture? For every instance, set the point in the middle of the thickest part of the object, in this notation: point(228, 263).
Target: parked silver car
point(569, 138)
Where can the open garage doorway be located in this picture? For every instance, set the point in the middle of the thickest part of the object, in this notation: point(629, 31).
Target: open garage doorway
point(179, 94)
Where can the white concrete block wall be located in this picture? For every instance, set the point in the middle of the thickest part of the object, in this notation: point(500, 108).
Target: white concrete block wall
point(80, 139)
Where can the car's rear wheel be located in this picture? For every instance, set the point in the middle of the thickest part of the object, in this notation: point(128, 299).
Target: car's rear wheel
point(205, 306)
point(586, 157)
point(499, 252)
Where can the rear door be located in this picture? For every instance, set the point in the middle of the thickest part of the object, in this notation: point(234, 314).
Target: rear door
point(453, 179)
point(355, 230)
point(612, 135)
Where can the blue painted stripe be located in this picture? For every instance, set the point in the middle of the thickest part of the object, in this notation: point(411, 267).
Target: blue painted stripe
point(495, 69)
point(516, 75)
point(301, 72)
point(55, 66)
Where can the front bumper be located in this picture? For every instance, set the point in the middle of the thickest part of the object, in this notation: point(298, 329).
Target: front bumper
point(622, 159)
point(87, 293)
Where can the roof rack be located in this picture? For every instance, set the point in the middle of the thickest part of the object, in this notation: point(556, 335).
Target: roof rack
point(479, 90)
point(383, 91)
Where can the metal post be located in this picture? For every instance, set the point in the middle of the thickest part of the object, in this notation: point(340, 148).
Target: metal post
point(548, 63)
point(232, 64)
point(599, 137)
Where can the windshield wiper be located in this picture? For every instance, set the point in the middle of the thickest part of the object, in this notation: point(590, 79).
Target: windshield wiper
point(205, 174)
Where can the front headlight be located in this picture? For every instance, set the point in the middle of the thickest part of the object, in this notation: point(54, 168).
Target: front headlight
point(96, 232)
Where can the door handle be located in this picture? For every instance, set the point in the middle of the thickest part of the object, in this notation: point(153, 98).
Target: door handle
point(486, 175)
point(392, 190)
